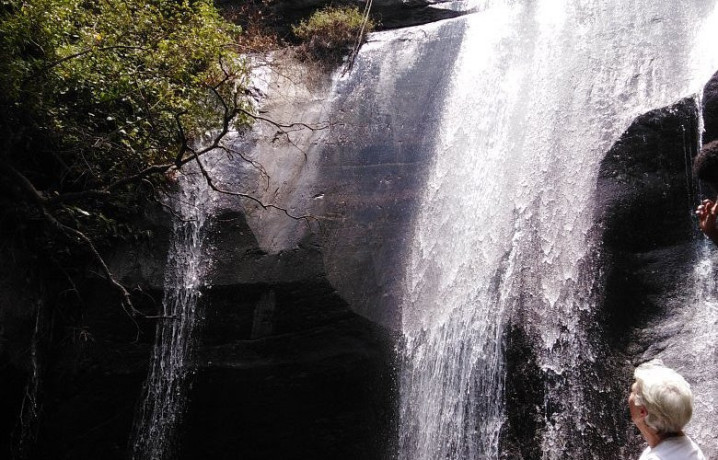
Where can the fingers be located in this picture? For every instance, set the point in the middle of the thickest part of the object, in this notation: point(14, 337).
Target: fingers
point(707, 213)
point(707, 207)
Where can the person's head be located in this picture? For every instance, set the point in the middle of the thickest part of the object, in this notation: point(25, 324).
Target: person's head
point(705, 165)
point(661, 398)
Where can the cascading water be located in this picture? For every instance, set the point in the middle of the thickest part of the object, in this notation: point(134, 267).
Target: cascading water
point(539, 92)
point(162, 408)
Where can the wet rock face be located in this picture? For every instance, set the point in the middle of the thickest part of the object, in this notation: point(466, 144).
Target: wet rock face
point(284, 367)
point(645, 199)
point(307, 378)
point(372, 170)
point(360, 174)
point(85, 385)
point(296, 357)
point(524, 399)
point(710, 110)
point(651, 248)
point(646, 195)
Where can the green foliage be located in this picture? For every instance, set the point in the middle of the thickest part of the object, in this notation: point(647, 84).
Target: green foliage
point(110, 87)
point(329, 33)
point(97, 101)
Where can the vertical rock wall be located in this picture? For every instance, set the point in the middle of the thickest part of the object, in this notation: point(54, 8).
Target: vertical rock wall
point(651, 250)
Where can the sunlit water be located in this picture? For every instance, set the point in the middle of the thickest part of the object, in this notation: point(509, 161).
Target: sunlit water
point(162, 407)
point(539, 92)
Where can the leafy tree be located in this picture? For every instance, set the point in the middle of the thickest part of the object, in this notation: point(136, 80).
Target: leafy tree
point(99, 98)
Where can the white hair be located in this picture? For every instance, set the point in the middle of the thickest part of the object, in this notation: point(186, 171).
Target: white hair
point(665, 395)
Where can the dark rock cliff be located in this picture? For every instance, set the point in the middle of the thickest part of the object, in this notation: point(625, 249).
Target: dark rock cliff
point(646, 197)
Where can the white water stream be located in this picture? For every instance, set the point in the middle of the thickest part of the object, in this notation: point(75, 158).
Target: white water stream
point(162, 407)
point(539, 93)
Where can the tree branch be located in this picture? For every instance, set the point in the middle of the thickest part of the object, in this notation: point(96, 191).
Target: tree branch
point(73, 234)
point(229, 113)
point(87, 51)
point(255, 164)
point(26, 187)
point(281, 125)
point(214, 187)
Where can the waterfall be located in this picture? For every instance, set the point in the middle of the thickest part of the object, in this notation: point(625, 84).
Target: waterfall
point(162, 407)
point(539, 92)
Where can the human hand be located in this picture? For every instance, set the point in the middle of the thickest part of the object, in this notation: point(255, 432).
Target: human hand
point(707, 213)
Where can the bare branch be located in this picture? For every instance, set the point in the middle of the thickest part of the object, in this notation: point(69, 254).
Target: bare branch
point(172, 212)
point(26, 187)
point(180, 160)
point(73, 196)
point(148, 171)
point(281, 125)
point(36, 198)
point(69, 231)
point(212, 185)
point(257, 165)
point(228, 114)
point(227, 75)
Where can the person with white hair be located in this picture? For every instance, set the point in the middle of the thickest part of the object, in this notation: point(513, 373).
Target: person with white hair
point(661, 404)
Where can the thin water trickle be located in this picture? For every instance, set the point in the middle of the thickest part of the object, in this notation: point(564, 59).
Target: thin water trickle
point(162, 407)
